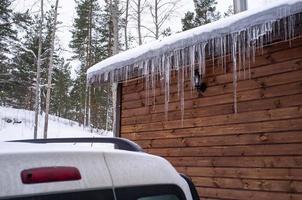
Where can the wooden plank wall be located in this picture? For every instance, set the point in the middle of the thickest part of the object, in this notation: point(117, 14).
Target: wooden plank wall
point(255, 154)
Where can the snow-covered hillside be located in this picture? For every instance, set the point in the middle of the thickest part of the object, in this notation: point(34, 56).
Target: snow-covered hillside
point(19, 124)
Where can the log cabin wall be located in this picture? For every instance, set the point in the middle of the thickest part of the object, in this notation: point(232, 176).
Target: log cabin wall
point(255, 154)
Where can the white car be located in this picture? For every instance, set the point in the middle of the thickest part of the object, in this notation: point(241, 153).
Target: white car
point(51, 171)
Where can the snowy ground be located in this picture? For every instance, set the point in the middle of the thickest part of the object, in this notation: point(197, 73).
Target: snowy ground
point(19, 124)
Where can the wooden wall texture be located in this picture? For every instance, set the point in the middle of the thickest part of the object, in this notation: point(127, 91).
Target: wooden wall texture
point(255, 154)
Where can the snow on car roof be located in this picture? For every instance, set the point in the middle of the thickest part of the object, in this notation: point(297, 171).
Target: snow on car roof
point(235, 23)
point(22, 147)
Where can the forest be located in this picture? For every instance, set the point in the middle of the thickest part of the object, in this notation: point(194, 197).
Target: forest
point(35, 75)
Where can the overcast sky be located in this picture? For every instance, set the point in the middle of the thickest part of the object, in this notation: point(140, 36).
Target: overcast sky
point(67, 14)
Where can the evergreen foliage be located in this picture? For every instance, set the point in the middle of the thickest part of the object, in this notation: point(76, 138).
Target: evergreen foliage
point(60, 99)
point(6, 34)
point(91, 42)
point(20, 69)
point(205, 12)
point(93, 34)
point(188, 21)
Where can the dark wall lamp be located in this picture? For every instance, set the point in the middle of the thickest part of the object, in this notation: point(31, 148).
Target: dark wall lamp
point(200, 86)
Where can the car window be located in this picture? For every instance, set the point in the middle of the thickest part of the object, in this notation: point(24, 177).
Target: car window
point(151, 192)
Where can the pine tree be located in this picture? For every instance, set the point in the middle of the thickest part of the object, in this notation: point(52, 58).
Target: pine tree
point(92, 41)
point(205, 12)
point(6, 31)
point(77, 95)
point(23, 73)
point(60, 100)
point(11, 24)
point(6, 35)
point(24, 68)
point(188, 21)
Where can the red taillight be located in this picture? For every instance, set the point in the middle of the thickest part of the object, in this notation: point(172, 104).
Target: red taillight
point(50, 174)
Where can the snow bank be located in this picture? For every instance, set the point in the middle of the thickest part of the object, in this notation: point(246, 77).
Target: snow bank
point(220, 28)
point(19, 124)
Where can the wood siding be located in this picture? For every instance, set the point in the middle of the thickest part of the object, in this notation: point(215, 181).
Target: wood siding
point(255, 154)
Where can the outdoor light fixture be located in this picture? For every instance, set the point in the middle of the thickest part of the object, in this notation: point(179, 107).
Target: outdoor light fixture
point(199, 85)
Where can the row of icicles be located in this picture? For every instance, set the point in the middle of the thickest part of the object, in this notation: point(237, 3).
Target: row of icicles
point(240, 46)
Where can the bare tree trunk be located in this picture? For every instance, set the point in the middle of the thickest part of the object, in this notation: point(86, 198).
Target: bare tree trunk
point(50, 70)
point(110, 27)
point(126, 25)
point(37, 101)
point(88, 65)
point(156, 19)
point(139, 27)
point(115, 19)
point(113, 27)
point(161, 11)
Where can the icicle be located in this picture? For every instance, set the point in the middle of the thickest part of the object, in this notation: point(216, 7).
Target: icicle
point(146, 75)
point(218, 56)
point(225, 53)
point(182, 98)
point(192, 66)
point(213, 55)
point(234, 52)
point(285, 26)
point(86, 105)
point(202, 64)
point(279, 27)
point(239, 55)
point(106, 76)
point(186, 55)
point(199, 53)
point(262, 34)
point(254, 44)
point(126, 73)
point(166, 65)
point(248, 52)
point(153, 77)
point(183, 58)
point(291, 28)
point(243, 53)
point(221, 53)
point(114, 104)
point(178, 71)
point(162, 71)
point(89, 107)
point(274, 28)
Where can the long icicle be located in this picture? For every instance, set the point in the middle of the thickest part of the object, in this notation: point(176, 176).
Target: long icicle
point(192, 54)
point(234, 55)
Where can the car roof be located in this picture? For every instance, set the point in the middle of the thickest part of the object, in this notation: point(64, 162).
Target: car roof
point(24, 147)
point(99, 165)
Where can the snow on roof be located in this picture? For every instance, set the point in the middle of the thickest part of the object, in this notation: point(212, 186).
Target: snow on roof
point(235, 23)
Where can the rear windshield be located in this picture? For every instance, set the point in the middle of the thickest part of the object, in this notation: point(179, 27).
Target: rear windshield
point(152, 192)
